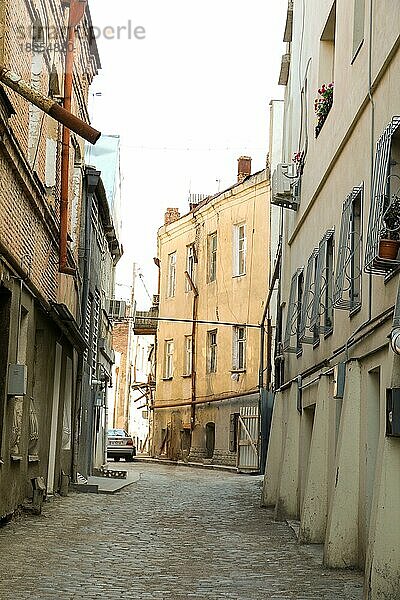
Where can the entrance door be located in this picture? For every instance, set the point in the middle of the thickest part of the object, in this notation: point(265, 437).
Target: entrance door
point(248, 445)
point(51, 470)
point(210, 439)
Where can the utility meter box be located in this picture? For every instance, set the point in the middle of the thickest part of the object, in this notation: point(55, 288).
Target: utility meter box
point(393, 412)
point(17, 378)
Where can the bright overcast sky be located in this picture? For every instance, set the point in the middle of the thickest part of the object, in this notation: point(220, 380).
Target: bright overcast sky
point(187, 100)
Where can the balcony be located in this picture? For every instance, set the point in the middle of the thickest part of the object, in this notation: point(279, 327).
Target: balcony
point(145, 323)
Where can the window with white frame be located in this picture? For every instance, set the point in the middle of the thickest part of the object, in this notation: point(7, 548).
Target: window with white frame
point(188, 366)
point(169, 359)
point(212, 351)
point(171, 275)
point(212, 257)
point(190, 265)
point(239, 348)
point(239, 249)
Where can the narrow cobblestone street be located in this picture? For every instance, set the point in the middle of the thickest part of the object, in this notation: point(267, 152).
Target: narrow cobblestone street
point(174, 533)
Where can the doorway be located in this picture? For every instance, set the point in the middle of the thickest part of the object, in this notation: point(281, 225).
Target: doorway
point(210, 440)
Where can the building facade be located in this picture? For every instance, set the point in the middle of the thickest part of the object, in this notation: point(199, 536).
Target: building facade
point(207, 368)
point(333, 457)
point(41, 343)
point(100, 254)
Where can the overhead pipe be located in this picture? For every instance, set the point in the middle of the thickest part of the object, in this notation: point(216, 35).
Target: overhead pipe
point(48, 105)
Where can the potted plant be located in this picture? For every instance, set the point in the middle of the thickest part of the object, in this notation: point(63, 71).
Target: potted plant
point(389, 242)
point(323, 105)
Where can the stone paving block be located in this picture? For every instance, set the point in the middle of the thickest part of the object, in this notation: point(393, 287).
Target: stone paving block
point(173, 534)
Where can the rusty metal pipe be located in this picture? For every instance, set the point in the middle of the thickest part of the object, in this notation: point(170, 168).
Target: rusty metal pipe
point(48, 105)
point(76, 12)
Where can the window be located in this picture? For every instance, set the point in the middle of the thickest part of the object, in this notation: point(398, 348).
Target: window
point(212, 351)
point(308, 334)
point(212, 257)
point(358, 26)
point(169, 359)
point(347, 284)
point(327, 49)
point(188, 366)
point(240, 249)
point(35, 114)
point(239, 348)
point(322, 309)
point(171, 275)
point(382, 240)
point(292, 339)
point(190, 262)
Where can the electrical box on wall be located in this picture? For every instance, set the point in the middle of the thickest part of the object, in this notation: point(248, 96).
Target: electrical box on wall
point(393, 412)
point(17, 378)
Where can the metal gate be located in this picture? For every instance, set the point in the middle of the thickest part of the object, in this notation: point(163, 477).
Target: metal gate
point(248, 440)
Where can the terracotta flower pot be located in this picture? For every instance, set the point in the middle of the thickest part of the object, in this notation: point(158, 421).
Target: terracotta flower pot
point(388, 249)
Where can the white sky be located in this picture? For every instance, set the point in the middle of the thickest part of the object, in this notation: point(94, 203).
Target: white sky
point(187, 100)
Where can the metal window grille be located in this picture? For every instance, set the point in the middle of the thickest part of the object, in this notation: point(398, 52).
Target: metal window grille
point(380, 200)
point(212, 245)
point(307, 301)
point(291, 340)
point(95, 329)
point(323, 300)
point(212, 351)
point(171, 274)
point(347, 284)
point(88, 315)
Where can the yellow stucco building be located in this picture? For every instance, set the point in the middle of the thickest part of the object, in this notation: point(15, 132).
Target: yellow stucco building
point(213, 271)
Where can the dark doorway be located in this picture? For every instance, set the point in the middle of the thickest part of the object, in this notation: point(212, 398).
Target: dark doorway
point(210, 439)
point(5, 308)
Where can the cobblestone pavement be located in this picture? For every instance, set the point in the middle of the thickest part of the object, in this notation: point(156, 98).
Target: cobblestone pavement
point(176, 533)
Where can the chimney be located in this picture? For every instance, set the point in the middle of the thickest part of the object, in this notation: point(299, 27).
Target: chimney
point(171, 215)
point(244, 168)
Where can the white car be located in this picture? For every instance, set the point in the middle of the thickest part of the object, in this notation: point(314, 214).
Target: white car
point(120, 445)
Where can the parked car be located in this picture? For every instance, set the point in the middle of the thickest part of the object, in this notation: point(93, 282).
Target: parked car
point(120, 445)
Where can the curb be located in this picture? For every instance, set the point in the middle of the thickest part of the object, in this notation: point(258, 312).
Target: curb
point(182, 463)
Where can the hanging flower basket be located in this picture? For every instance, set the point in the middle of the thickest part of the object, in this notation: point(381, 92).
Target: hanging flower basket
point(323, 105)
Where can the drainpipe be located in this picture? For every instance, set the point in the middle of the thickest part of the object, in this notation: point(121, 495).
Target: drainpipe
point(274, 279)
point(194, 333)
point(76, 12)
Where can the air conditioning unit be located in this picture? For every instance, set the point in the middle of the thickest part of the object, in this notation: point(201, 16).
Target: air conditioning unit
point(116, 309)
point(284, 185)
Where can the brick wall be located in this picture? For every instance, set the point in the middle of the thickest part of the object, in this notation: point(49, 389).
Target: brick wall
point(29, 212)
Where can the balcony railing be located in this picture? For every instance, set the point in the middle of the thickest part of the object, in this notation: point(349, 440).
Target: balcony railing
point(145, 323)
